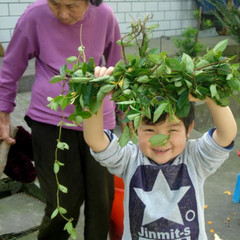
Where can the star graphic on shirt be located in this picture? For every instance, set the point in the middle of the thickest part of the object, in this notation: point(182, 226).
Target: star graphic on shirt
point(161, 201)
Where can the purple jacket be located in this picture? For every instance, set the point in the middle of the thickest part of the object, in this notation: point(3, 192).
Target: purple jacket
point(38, 34)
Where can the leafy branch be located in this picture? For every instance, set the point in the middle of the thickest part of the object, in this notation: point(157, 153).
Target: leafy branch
point(150, 80)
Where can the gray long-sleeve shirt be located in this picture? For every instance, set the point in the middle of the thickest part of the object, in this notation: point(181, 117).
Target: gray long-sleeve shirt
point(164, 201)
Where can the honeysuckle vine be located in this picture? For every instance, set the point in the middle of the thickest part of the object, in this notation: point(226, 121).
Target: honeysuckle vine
point(140, 83)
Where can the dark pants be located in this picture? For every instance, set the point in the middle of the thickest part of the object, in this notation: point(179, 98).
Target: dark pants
point(85, 179)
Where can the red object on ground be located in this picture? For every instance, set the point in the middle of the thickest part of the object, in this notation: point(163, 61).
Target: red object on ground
point(239, 152)
point(116, 223)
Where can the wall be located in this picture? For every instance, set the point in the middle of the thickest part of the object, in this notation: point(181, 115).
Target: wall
point(172, 15)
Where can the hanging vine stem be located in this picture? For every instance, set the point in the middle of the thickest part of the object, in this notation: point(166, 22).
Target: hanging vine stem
point(64, 146)
point(61, 188)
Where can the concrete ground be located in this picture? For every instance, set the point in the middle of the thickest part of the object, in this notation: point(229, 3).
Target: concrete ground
point(20, 212)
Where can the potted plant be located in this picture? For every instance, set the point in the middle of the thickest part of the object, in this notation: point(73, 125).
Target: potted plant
point(188, 43)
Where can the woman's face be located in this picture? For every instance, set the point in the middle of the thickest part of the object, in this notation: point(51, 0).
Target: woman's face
point(68, 11)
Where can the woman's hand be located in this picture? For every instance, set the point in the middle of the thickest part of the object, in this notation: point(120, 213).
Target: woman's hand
point(5, 129)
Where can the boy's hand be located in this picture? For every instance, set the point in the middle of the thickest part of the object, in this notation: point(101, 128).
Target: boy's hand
point(102, 71)
point(193, 99)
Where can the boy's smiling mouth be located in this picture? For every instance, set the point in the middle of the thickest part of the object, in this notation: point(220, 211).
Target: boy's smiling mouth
point(160, 150)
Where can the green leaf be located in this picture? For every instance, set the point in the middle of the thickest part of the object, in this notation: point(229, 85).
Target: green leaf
point(54, 214)
point(57, 78)
point(214, 93)
point(62, 188)
point(202, 63)
point(127, 92)
point(53, 105)
point(62, 145)
point(80, 80)
point(221, 46)
point(88, 95)
point(78, 119)
point(126, 102)
point(78, 73)
point(178, 84)
point(159, 140)
point(148, 112)
point(63, 70)
point(210, 56)
point(155, 51)
point(70, 124)
point(174, 64)
point(158, 112)
point(188, 63)
point(65, 102)
point(131, 117)
point(123, 140)
point(62, 210)
point(85, 114)
point(143, 79)
point(137, 121)
point(183, 105)
point(183, 99)
point(100, 79)
point(56, 167)
point(91, 64)
point(60, 163)
point(141, 62)
point(201, 92)
point(69, 227)
point(73, 234)
point(224, 70)
point(189, 84)
point(106, 88)
point(134, 138)
point(156, 59)
point(71, 59)
point(119, 68)
point(84, 68)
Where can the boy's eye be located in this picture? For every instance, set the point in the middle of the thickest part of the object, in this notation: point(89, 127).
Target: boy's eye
point(149, 130)
point(173, 130)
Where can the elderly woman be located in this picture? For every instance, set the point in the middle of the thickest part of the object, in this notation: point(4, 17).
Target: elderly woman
point(49, 31)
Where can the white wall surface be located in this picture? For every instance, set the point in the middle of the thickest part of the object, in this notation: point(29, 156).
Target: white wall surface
point(173, 16)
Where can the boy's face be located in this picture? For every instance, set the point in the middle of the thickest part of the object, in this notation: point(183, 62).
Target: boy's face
point(174, 146)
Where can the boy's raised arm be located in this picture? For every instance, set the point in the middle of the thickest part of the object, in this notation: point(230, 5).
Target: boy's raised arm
point(93, 127)
point(226, 127)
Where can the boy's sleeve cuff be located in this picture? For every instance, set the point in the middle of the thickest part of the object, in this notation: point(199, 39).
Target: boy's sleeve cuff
point(229, 147)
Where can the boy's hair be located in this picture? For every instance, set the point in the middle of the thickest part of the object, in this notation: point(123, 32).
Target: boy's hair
point(96, 2)
point(186, 120)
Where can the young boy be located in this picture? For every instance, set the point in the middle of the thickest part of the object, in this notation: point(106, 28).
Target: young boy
point(164, 196)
